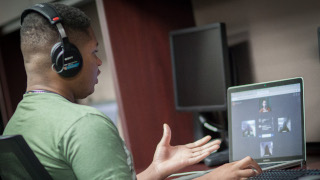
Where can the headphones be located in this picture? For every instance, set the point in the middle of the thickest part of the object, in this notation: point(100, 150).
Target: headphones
point(66, 58)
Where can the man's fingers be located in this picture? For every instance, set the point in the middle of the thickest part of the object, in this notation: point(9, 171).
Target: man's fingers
point(166, 137)
point(207, 146)
point(205, 151)
point(245, 173)
point(198, 158)
point(198, 143)
point(248, 162)
point(245, 162)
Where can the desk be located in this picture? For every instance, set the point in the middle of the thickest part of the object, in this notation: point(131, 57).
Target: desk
point(313, 162)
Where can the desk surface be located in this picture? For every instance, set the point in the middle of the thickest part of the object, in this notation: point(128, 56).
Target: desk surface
point(313, 161)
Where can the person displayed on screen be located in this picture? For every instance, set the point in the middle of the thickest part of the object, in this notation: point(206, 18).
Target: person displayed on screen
point(264, 106)
point(266, 148)
point(267, 151)
point(285, 127)
point(74, 141)
point(247, 130)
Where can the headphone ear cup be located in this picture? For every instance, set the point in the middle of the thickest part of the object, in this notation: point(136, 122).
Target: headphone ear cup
point(56, 57)
point(67, 62)
point(72, 62)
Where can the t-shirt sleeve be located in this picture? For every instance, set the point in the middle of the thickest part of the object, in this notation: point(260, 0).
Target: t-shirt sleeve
point(95, 150)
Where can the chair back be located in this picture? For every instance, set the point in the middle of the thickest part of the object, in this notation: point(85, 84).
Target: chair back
point(17, 160)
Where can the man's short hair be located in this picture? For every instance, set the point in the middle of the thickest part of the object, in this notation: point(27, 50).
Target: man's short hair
point(38, 34)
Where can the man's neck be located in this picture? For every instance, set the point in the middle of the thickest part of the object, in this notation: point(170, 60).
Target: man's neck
point(64, 93)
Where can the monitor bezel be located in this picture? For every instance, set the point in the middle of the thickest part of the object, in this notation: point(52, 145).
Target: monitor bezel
point(225, 70)
point(264, 85)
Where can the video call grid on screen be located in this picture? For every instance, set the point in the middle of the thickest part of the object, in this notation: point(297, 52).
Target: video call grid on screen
point(266, 123)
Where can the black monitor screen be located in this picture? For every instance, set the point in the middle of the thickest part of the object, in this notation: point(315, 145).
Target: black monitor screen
point(200, 67)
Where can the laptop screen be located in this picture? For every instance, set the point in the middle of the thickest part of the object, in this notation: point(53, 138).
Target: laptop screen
point(266, 121)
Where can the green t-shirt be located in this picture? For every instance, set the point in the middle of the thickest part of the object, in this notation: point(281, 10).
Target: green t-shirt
point(72, 141)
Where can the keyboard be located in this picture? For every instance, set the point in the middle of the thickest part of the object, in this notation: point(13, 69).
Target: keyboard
point(288, 174)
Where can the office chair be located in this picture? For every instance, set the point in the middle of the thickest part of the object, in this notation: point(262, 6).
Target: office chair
point(17, 160)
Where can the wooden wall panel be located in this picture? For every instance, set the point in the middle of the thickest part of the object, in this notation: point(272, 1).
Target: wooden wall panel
point(138, 31)
point(4, 97)
point(12, 76)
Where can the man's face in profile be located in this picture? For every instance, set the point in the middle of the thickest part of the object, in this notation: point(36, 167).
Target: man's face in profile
point(88, 76)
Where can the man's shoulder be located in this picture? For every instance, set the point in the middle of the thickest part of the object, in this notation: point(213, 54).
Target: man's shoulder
point(52, 114)
point(88, 113)
point(85, 110)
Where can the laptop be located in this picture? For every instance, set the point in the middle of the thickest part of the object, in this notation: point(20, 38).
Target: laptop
point(266, 121)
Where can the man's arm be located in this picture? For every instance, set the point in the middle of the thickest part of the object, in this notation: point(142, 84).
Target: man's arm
point(169, 159)
point(94, 150)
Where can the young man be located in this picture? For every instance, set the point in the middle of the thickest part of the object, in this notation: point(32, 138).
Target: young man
point(78, 142)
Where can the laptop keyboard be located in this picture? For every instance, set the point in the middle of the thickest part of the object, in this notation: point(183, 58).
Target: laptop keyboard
point(288, 174)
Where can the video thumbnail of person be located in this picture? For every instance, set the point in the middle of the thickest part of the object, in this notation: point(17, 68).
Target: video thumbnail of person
point(266, 148)
point(264, 105)
point(284, 124)
point(248, 128)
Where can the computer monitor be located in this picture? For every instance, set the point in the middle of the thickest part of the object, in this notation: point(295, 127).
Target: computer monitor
point(201, 71)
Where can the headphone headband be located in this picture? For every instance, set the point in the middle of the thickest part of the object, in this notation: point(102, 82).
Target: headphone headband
point(49, 12)
point(45, 10)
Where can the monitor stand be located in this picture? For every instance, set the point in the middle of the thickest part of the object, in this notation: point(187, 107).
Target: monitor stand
point(215, 125)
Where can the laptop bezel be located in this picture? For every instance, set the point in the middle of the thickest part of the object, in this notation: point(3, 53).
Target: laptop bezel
point(264, 85)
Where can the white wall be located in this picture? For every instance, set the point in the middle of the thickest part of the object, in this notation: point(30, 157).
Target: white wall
point(283, 42)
